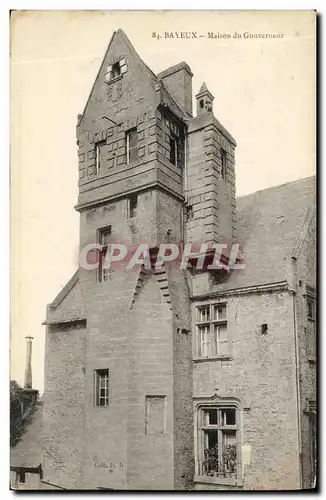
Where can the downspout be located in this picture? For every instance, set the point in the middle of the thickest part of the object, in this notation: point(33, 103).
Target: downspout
point(297, 367)
point(185, 176)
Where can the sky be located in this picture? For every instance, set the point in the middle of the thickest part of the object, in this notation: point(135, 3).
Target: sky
point(264, 95)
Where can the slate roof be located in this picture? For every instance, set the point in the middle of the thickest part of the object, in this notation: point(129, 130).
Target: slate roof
point(270, 224)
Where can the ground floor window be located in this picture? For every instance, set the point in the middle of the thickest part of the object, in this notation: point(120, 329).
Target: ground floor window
point(218, 441)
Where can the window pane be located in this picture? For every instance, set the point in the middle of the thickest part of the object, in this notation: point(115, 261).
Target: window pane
point(133, 138)
point(133, 154)
point(202, 340)
point(105, 236)
point(203, 314)
point(210, 417)
point(173, 148)
point(211, 458)
point(229, 452)
point(221, 333)
point(228, 416)
point(220, 311)
point(311, 309)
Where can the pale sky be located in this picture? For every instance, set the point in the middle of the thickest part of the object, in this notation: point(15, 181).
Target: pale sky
point(264, 95)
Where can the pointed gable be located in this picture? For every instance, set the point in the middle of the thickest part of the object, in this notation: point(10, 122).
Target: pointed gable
point(68, 304)
point(123, 83)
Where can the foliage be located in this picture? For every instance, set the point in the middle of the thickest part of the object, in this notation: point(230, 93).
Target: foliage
point(230, 457)
point(211, 460)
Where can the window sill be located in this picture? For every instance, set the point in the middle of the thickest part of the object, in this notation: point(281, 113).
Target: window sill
point(219, 480)
point(213, 358)
point(116, 79)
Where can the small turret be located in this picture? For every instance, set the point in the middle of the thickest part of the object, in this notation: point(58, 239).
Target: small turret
point(204, 100)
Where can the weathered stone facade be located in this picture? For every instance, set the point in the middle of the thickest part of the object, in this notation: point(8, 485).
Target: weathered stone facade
point(141, 325)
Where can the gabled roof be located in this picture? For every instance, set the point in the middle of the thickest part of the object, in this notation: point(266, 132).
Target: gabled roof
point(152, 78)
point(270, 223)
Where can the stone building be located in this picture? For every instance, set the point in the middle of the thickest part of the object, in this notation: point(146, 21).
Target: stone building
point(171, 378)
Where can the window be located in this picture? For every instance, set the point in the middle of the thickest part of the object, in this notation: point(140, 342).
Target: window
point(311, 309)
point(217, 446)
point(102, 388)
point(99, 157)
point(115, 71)
point(211, 331)
point(133, 202)
point(311, 327)
point(104, 238)
point(189, 212)
point(132, 146)
point(173, 150)
point(22, 477)
point(201, 103)
point(223, 163)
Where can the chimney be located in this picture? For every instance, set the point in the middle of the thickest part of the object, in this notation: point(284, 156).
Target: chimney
point(178, 81)
point(28, 369)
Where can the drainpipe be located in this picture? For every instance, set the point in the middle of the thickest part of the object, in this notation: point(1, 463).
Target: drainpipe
point(185, 175)
point(297, 367)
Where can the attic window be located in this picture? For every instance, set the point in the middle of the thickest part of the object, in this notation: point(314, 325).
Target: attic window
point(115, 70)
point(201, 103)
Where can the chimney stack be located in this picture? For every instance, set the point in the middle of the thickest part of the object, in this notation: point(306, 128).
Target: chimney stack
point(178, 81)
point(28, 370)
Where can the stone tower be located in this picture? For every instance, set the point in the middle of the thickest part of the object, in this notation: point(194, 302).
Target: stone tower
point(131, 328)
point(210, 176)
point(118, 397)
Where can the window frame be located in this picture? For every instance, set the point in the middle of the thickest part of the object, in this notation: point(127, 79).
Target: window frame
point(217, 403)
point(97, 154)
point(129, 160)
point(115, 71)
point(311, 325)
point(133, 202)
point(224, 163)
point(208, 327)
point(98, 373)
point(311, 300)
point(103, 273)
point(174, 139)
